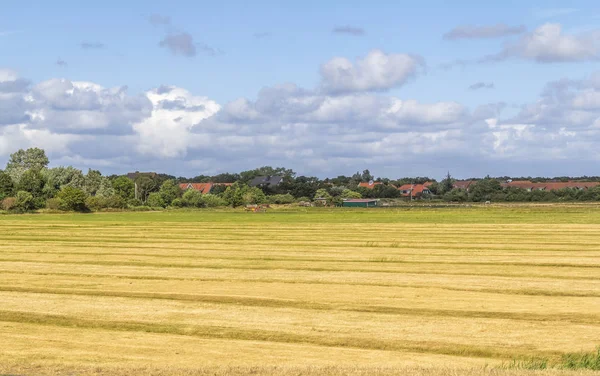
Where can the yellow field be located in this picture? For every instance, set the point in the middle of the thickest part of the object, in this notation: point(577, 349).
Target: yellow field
point(424, 292)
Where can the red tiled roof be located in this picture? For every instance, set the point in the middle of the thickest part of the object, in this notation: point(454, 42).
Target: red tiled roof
point(414, 189)
point(201, 187)
point(366, 184)
point(463, 184)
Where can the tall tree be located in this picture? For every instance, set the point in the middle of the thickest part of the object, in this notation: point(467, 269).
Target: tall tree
point(123, 187)
point(447, 184)
point(93, 179)
point(23, 160)
point(7, 186)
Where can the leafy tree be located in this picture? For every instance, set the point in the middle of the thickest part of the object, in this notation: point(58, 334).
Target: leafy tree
point(225, 178)
point(93, 179)
point(240, 194)
point(106, 189)
point(23, 160)
point(124, 187)
point(24, 202)
point(212, 201)
point(59, 177)
point(218, 189)
point(145, 186)
point(169, 191)
point(155, 200)
point(72, 199)
point(282, 199)
point(447, 184)
point(322, 193)
point(192, 198)
point(7, 186)
point(32, 181)
point(348, 194)
point(247, 176)
point(367, 176)
point(484, 189)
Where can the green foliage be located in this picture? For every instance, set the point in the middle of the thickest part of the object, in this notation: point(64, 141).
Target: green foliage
point(218, 189)
point(7, 186)
point(23, 160)
point(348, 194)
point(446, 185)
point(124, 187)
point(177, 203)
point(456, 195)
point(240, 194)
point(97, 203)
point(282, 199)
point(145, 186)
point(72, 199)
point(322, 193)
point(24, 202)
point(169, 191)
point(106, 189)
point(32, 181)
point(93, 179)
point(155, 200)
point(134, 202)
point(484, 189)
point(212, 201)
point(59, 177)
point(54, 203)
point(192, 198)
point(585, 360)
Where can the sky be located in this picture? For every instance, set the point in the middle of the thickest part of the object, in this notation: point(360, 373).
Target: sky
point(326, 88)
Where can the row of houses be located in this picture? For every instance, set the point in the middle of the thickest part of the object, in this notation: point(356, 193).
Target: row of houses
point(530, 186)
point(406, 190)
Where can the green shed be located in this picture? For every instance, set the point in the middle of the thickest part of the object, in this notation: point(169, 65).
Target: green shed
point(359, 203)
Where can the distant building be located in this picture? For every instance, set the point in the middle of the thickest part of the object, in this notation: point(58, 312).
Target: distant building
point(266, 181)
point(360, 203)
point(463, 184)
point(415, 191)
point(203, 188)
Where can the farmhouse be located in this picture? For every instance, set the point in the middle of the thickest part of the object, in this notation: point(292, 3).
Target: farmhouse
point(266, 181)
point(360, 203)
point(463, 184)
point(203, 188)
point(415, 190)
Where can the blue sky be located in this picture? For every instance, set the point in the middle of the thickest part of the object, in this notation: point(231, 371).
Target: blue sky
point(237, 61)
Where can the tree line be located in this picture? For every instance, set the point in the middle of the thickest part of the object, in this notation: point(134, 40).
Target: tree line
point(27, 184)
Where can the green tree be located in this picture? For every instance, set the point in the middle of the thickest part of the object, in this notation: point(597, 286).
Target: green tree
point(23, 160)
point(72, 199)
point(240, 194)
point(123, 187)
point(367, 176)
point(169, 191)
point(145, 186)
point(24, 202)
point(155, 200)
point(484, 189)
point(347, 193)
point(192, 198)
point(93, 179)
point(7, 186)
point(32, 181)
point(446, 185)
point(106, 189)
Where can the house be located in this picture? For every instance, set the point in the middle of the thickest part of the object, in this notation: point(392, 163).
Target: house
point(203, 188)
point(415, 190)
point(266, 181)
point(369, 184)
point(137, 174)
point(360, 203)
point(463, 184)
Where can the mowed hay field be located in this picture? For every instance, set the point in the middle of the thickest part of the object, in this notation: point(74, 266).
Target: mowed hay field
point(421, 291)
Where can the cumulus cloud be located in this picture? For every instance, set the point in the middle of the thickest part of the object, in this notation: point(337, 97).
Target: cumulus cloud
point(349, 30)
point(481, 85)
point(479, 32)
point(171, 129)
point(377, 71)
point(548, 43)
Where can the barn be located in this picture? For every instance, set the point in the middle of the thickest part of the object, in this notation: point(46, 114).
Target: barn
point(360, 203)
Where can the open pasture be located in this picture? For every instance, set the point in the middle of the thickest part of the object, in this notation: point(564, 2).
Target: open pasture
point(291, 292)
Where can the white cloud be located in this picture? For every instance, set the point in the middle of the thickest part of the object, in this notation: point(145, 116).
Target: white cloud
point(548, 43)
point(377, 71)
